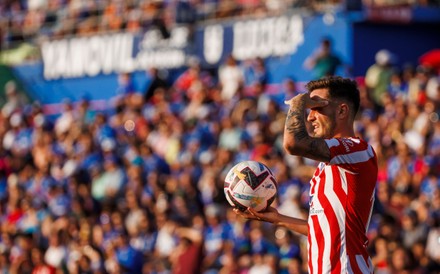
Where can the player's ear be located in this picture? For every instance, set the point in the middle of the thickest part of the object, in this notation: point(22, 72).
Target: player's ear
point(343, 111)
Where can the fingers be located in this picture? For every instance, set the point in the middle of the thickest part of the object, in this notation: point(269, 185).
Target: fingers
point(255, 214)
point(241, 213)
point(248, 214)
point(313, 102)
point(252, 211)
point(289, 102)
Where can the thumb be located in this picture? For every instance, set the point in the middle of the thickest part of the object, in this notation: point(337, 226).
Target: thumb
point(287, 102)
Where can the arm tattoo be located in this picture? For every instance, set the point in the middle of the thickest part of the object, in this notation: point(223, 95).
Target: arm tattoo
point(295, 123)
point(314, 146)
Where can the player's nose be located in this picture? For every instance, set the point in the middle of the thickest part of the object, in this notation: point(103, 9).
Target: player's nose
point(310, 115)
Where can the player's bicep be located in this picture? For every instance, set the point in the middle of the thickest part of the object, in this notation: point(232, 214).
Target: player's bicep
point(317, 149)
point(312, 148)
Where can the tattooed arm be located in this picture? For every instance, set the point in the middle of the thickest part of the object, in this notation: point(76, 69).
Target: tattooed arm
point(297, 141)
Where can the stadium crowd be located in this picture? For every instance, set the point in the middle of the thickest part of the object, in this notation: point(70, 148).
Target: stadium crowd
point(138, 188)
point(37, 20)
point(34, 21)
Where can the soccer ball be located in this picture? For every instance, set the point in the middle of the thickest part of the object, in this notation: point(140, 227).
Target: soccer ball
point(250, 184)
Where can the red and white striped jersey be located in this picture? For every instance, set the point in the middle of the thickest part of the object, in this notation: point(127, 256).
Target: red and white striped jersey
point(341, 202)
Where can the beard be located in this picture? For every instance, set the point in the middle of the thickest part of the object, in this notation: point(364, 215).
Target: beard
point(324, 129)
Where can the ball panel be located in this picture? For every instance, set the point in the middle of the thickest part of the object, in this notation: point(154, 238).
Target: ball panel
point(252, 179)
point(227, 195)
point(270, 201)
point(235, 203)
point(234, 183)
point(250, 184)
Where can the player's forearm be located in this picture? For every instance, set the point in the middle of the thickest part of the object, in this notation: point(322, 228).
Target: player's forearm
point(295, 131)
point(295, 224)
point(271, 215)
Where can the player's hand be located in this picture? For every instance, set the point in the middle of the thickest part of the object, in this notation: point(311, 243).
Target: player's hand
point(314, 102)
point(269, 215)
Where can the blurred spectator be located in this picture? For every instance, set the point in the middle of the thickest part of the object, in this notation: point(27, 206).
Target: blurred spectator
point(64, 122)
point(230, 135)
point(401, 261)
point(17, 139)
point(231, 78)
point(85, 113)
point(188, 254)
point(380, 255)
point(39, 265)
point(323, 61)
point(255, 72)
point(186, 12)
point(413, 231)
point(260, 243)
point(129, 259)
point(397, 88)
point(15, 100)
point(56, 253)
point(378, 77)
point(214, 236)
point(288, 249)
point(288, 91)
point(433, 243)
point(261, 264)
point(189, 78)
point(109, 184)
point(125, 84)
point(156, 82)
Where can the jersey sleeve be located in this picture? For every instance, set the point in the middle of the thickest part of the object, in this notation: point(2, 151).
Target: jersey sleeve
point(349, 152)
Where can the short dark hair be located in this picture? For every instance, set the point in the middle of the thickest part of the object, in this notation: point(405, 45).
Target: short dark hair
point(339, 88)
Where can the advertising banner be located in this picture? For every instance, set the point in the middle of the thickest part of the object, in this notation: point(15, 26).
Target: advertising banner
point(114, 53)
point(73, 67)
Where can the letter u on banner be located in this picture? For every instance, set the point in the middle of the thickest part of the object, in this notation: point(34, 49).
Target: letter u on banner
point(213, 43)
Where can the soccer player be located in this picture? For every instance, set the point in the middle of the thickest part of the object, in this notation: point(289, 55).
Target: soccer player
point(342, 187)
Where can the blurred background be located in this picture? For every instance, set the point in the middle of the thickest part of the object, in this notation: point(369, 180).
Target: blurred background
point(120, 119)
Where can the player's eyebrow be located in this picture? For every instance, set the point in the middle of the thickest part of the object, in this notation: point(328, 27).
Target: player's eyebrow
point(318, 98)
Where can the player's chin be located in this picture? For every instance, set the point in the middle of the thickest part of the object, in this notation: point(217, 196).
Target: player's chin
point(319, 133)
point(316, 133)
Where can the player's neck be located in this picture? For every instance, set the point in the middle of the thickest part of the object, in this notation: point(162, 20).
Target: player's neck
point(344, 133)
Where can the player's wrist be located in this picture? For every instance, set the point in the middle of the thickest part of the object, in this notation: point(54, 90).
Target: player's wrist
point(274, 219)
